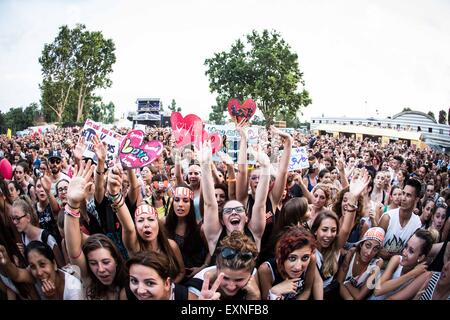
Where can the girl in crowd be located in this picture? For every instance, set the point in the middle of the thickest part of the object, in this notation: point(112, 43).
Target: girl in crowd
point(46, 207)
point(146, 176)
point(235, 269)
point(15, 190)
point(438, 219)
point(158, 198)
point(101, 265)
point(61, 191)
point(395, 197)
point(26, 221)
point(222, 197)
point(182, 227)
point(360, 264)
point(147, 232)
point(234, 216)
point(430, 285)
point(428, 210)
point(402, 177)
point(290, 275)
point(50, 282)
point(322, 198)
point(402, 269)
point(20, 175)
point(149, 279)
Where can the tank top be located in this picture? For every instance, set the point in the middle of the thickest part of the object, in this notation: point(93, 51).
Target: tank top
point(428, 294)
point(397, 273)
point(438, 262)
point(310, 185)
point(360, 279)
point(319, 263)
point(396, 235)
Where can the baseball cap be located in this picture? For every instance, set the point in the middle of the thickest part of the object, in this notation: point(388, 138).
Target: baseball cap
point(374, 233)
point(54, 154)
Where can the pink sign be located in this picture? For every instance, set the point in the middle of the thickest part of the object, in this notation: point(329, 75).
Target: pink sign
point(134, 152)
point(185, 129)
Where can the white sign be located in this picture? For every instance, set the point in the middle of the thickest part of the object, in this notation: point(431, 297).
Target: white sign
point(111, 138)
point(299, 159)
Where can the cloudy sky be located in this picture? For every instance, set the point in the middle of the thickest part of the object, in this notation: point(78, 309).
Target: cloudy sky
point(358, 56)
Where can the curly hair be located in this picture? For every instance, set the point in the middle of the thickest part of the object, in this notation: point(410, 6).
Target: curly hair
point(241, 244)
point(326, 189)
point(294, 238)
point(337, 205)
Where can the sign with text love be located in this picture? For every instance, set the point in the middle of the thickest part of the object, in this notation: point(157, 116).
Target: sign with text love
point(111, 138)
point(135, 152)
point(299, 159)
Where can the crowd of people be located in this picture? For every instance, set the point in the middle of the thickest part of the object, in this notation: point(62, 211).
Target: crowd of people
point(363, 221)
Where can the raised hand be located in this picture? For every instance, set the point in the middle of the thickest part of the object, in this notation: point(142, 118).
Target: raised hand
point(241, 128)
point(261, 157)
point(46, 182)
point(281, 133)
point(80, 184)
point(99, 149)
point(79, 149)
point(114, 180)
point(210, 294)
point(358, 185)
point(205, 152)
point(225, 157)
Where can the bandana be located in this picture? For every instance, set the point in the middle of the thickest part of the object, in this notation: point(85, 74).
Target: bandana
point(145, 208)
point(183, 192)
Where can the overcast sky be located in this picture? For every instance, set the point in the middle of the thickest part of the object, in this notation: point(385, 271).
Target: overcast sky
point(357, 56)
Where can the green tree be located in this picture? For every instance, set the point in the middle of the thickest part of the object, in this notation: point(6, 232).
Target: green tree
point(18, 119)
point(173, 106)
point(76, 64)
point(431, 114)
point(263, 69)
point(109, 113)
point(442, 117)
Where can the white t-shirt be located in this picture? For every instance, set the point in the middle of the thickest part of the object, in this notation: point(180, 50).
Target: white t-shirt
point(73, 289)
point(396, 236)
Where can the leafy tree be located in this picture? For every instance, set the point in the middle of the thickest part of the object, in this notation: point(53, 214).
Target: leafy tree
point(442, 117)
point(73, 66)
point(173, 106)
point(263, 69)
point(431, 114)
point(18, 119)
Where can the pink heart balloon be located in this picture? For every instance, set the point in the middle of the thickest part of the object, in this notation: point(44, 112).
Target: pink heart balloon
point(188, 126)
point(135, 153)
point(216, 142)
point(5, 169)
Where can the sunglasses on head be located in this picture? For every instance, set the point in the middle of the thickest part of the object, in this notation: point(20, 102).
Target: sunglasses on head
point(55, 160)
point(229, 253)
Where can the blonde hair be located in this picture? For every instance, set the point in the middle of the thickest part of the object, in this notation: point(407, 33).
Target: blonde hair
point(26, 205)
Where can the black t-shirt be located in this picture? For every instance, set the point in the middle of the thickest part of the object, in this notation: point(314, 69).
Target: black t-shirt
point(48, 222)
point(295, 191)
point(110, 223)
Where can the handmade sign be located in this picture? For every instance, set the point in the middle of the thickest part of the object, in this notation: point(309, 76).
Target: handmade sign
point(231, 145)
point(299, 159)
point(134, 152)
point(240, 112)
point(5, 169)
point(184, 128)
point(111, 138)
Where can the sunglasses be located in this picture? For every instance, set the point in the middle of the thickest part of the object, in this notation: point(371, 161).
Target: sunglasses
point(239, 209)
point(55, 160)
point(229, 253)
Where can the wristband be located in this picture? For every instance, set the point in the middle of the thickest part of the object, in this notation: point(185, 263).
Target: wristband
point(100, 173)
point(72, 212)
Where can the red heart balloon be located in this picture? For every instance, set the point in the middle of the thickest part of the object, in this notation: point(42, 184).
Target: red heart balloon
point(240, 112)
point(135, 153)
point(216, 140)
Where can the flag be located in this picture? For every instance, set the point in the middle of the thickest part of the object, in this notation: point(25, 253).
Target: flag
point(8, 133)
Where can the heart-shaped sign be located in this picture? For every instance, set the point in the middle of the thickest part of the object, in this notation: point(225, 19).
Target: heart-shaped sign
point(185, 126)
point(134, 152)
point(240, 112)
